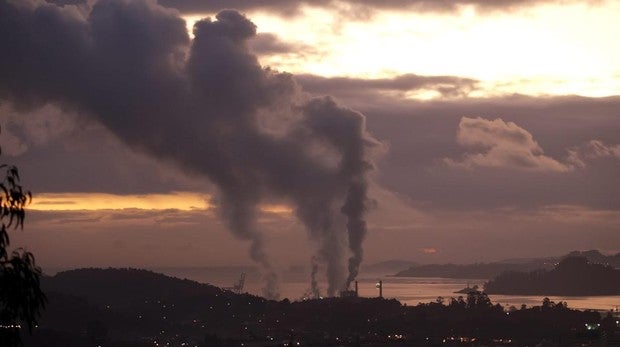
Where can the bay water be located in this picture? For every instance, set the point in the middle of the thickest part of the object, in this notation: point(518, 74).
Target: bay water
point(294, 285)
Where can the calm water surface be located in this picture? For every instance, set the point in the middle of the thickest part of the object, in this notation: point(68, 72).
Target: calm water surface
point(408, 290)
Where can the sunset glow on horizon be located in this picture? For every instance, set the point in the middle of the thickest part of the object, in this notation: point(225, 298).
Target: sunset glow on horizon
point(181, 201)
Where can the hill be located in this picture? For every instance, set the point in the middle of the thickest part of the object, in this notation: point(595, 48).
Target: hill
point(388, 266)
point(472, 271)
point(493, 269)
point(135, 304)
point(596, 257)
point(125, 286)
point(573, 276)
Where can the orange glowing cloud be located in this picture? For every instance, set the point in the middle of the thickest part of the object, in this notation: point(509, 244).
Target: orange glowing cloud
point(430, 250)
point(182, 201)
point(279, 209)
point(102, 201)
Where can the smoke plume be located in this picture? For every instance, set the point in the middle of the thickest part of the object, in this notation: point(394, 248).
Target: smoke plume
point(314, 291)
point(205, 105)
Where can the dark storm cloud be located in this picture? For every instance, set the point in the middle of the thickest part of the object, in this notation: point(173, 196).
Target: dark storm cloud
point(271, 44)
point(448, 86)
point(205, 106)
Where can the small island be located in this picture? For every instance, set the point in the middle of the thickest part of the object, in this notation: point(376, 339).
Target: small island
point(573, 276)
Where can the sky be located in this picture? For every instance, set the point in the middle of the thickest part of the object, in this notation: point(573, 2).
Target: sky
point(277, 132)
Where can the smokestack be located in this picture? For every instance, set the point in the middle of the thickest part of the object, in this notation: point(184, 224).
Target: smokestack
point(380, 287)
point(356, 290)
point(212, 92)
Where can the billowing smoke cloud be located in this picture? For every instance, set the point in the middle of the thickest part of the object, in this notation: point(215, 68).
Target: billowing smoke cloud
point(205, 105)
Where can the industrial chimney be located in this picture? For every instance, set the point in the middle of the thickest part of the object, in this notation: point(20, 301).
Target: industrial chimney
point(379, 286)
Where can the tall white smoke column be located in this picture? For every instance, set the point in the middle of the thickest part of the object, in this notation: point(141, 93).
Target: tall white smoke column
point(205, 105)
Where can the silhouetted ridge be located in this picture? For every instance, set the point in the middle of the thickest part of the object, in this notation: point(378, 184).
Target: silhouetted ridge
point(572, 276)
point(596, 257)
point(131, 303)
point(388, 266)
point(493, 269)
point(127, 307)
point(479, 270)
point(125, 286)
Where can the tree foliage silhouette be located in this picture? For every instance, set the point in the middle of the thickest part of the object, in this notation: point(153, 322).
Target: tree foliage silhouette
point(21, 298)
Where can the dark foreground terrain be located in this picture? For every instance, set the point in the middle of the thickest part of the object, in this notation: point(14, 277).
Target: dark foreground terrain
point(126, 307)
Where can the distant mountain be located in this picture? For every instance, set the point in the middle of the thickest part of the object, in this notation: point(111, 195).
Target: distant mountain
point(597, 257)
point(388, 266)
point(572, 276)
point(472, 271)
point(543, 261)
point(593, 256)
point(490, 270)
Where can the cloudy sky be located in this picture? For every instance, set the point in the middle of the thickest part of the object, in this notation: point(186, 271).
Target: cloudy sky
point(492, 128)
